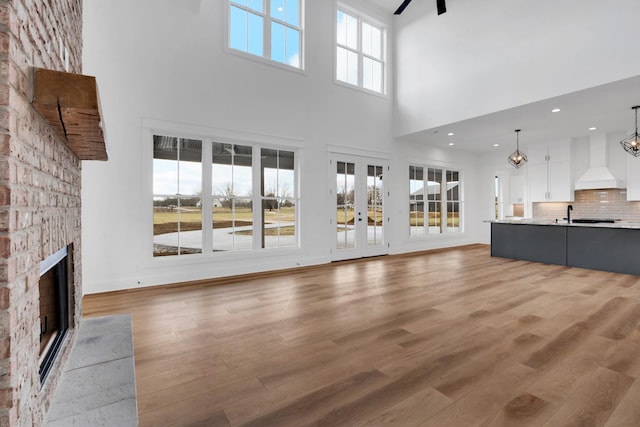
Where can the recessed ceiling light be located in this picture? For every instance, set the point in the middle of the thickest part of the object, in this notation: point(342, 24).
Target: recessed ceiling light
point(496, 145)
point(593, 128)
point(451, 143)
point(555, 110)
point(451, 134)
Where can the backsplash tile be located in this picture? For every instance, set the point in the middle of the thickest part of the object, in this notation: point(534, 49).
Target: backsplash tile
point(592, 204)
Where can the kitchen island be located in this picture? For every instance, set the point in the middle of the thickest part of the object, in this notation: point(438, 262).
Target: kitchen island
point(603, 246)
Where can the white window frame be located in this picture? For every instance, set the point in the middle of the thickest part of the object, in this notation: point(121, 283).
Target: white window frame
point(443, 201)
point(360, 17)
point(257, 141)
point(266, 37)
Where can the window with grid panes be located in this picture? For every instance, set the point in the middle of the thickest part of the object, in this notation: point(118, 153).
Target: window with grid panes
point(359, 50)
point(252, 204)
point(435, 201)
point(270, 29)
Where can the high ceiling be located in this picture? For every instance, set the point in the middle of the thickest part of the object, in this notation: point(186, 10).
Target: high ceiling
point(606, 107)
point(390, 5)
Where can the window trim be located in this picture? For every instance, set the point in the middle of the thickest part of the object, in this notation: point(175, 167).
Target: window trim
point(361, 17)
point(266, 56)
point(152, 127)
point(443, 202)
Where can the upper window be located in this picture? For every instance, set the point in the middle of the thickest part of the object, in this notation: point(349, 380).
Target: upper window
point(435, 201)
point(267, 28)
point(359, 51)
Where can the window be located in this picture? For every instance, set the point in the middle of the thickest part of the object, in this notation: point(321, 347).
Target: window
point(453, 201)
point(232, 205)
point(278, 204)
point(435, 202)
point(267, 28)
point(359, 50)
point(240, 177)
point(177, 187)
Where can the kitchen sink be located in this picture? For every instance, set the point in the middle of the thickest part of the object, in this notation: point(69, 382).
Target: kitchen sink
point(592, 220)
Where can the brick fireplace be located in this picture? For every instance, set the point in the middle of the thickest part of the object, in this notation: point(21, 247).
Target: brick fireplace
point(40, 181)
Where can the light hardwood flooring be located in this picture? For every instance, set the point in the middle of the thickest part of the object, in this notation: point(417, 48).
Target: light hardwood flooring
point(441, 338)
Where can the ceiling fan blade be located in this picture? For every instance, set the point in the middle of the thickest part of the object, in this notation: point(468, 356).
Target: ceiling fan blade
point(402, 7)
point(442, 7)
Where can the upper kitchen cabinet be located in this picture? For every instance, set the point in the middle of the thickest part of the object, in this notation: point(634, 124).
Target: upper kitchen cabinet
point(633, 178)
point(549, 171)
point(516, 189)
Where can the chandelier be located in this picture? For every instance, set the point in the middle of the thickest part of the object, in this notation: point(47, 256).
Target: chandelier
point(631, 144)
point(518, 158)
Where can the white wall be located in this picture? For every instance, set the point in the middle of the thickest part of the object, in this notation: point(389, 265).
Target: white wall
point(163, 61)
point(491, 165)
point(482, 57)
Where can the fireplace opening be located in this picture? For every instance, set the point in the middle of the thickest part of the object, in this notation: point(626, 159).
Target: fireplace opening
point(54, 307)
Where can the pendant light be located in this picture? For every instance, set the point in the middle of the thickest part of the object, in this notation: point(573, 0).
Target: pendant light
point(517, 158)
point(631, 144)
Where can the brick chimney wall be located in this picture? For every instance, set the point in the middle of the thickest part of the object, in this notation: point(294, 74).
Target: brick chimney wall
point(40, 182)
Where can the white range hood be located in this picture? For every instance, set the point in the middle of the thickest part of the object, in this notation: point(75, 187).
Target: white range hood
point(598, 176)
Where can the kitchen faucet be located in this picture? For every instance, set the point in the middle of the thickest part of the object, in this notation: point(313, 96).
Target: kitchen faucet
point(569, 209)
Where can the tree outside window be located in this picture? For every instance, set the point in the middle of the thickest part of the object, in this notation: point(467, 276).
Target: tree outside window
point(242, 177)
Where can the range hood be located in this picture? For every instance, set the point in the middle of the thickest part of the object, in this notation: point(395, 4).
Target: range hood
point(598, 176)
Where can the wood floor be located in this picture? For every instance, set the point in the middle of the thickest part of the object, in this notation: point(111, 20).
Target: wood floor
point(445, 338)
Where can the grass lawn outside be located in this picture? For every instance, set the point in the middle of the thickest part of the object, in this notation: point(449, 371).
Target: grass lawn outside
point(434, 220)
point(165, 220)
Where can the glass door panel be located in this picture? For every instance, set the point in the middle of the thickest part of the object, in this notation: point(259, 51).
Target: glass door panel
point(375, 203)
point(359, 205)
point(345, 205)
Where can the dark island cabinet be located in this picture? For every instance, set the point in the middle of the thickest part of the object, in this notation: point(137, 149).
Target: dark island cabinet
point(607, 249)
point(597, 248)
point(537, 243)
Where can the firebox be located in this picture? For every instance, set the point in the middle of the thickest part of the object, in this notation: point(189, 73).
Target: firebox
point(55, 302)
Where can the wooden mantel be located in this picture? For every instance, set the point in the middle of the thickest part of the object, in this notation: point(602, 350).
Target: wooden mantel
point(70, 103)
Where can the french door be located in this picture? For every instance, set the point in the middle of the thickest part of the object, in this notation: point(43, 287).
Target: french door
point(358, 198)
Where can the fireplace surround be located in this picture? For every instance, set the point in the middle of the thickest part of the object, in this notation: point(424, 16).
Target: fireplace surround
point(56, 303)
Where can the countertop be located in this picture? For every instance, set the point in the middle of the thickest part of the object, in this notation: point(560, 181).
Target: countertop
point(563, 223)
